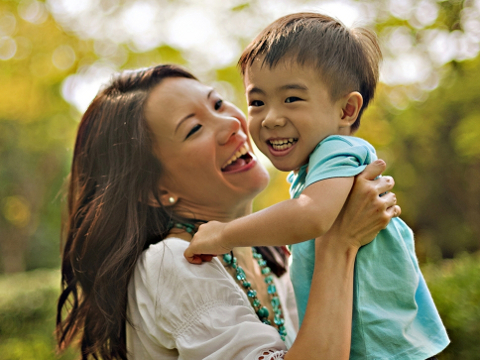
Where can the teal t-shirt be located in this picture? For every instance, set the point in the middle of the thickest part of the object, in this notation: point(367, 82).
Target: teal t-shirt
point(394, 316)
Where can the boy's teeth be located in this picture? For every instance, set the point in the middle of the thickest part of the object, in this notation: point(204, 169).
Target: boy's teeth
point(282, 144)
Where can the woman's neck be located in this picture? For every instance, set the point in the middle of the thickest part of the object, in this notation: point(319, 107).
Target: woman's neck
point(207, 214)
point(210, 213)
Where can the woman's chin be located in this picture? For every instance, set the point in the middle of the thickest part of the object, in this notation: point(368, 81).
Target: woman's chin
point(257, 181)
point(263, 178)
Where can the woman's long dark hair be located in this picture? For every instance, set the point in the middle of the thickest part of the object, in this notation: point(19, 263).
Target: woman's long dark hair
point(114, 175)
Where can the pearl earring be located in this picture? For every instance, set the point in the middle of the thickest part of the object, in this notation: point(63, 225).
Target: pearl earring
point(171, 199)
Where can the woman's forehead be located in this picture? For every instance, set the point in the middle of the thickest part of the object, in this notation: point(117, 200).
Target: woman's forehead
point(178, 88)
point(173, 97)
point(174, 91)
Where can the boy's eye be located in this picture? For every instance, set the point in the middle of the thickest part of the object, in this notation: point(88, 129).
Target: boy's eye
point(292, 99)
point(193, 131)
point(256, 103)
point(218, 104)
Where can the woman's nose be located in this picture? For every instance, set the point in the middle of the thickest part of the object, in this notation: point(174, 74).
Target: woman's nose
point(273, 120)
point(229, 126)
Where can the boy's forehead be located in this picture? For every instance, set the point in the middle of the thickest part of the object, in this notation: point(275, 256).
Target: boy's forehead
point(285, 68)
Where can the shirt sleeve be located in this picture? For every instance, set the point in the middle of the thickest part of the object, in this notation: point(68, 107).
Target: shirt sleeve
point(199, 310)
point(339, 156)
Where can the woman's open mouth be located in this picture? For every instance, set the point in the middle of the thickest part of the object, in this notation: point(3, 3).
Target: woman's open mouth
point(281, 146)
point(239, 160)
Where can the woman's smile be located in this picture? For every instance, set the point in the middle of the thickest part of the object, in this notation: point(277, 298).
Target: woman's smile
point(242, 160)
point(205, 140)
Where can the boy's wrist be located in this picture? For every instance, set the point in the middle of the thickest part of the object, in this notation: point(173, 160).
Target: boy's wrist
point(227, 238)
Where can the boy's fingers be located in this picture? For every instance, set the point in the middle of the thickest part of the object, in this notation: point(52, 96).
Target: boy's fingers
point(197, 259)
point(192, 258)
point(374, 169)
point(206, 258)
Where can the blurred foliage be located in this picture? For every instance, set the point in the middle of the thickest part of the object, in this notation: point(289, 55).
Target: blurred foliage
point(27, 310)
point(27, 316)
point(434, 152)
point(455, 287)
point(37, 130)
point(428, 132)
point(432, 149)
point(430, 140)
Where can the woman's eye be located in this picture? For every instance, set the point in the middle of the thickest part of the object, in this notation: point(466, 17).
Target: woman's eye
point(256, 103)
point(292, 99)
point(218, 104)
point(193, 131)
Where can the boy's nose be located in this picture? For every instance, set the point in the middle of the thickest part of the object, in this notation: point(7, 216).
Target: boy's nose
point(273, 120)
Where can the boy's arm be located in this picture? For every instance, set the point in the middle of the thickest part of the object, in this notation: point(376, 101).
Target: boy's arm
point(288, 222)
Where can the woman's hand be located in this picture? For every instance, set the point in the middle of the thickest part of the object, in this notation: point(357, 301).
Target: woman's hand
point(365, 212)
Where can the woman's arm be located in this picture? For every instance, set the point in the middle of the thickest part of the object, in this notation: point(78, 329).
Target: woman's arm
point(326, 330)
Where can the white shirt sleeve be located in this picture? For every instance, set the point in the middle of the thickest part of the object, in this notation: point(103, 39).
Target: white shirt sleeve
point(183, 311)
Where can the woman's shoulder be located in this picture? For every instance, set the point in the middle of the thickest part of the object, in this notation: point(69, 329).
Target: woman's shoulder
point(162, 273)
point(164, 264)
point(167, 293)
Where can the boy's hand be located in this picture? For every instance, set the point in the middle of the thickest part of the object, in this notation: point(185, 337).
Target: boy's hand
point(207, 243)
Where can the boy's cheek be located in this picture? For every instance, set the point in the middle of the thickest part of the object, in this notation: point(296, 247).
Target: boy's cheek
point(254, 133)
point(255, 136)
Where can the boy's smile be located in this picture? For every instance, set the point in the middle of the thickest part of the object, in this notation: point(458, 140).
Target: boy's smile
point(290, 111)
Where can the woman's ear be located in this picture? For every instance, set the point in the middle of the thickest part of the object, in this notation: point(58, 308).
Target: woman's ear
point(351, 105)
point(166, 199)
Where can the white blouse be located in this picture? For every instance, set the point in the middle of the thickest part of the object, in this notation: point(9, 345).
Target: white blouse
point(182, 311)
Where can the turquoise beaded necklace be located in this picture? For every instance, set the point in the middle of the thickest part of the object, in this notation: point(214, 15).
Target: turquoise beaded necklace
point(261, 311)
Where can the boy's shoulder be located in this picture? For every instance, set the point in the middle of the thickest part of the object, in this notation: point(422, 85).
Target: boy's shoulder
point(343, 141)
point(338, 153)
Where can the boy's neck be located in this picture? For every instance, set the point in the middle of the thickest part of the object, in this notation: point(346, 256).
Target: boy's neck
point(346, 131)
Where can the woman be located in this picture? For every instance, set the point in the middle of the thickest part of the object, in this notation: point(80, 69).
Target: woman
point(153, 158)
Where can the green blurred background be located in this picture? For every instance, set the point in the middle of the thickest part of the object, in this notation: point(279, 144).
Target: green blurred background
point(425, 122)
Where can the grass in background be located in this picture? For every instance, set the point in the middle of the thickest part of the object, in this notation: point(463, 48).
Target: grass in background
point(27, 310)
point(27, 316)
point(455, 287)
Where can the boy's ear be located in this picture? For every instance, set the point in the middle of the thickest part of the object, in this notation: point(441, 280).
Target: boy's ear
point(351, 105)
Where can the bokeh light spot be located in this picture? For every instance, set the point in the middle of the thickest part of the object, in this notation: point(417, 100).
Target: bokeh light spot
point(63, 57)
point(81, 88)
point(8, 48)
point(16, 210)
point(33, 11)
point(7, 24)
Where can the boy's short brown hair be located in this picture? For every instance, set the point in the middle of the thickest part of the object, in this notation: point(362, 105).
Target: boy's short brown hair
point(347, 59)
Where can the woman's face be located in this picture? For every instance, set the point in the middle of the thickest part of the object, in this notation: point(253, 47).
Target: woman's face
point(202, 144)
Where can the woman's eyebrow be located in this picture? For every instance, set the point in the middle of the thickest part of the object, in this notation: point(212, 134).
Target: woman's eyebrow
point(192, 114)
point(182, 121)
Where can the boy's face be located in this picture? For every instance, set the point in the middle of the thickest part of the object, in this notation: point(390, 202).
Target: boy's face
point(289, 112)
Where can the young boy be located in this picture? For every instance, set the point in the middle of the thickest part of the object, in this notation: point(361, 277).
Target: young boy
point(308, 79)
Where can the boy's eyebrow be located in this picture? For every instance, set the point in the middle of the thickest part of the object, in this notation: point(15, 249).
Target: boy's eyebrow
point(294, 87)
point(255, 90)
